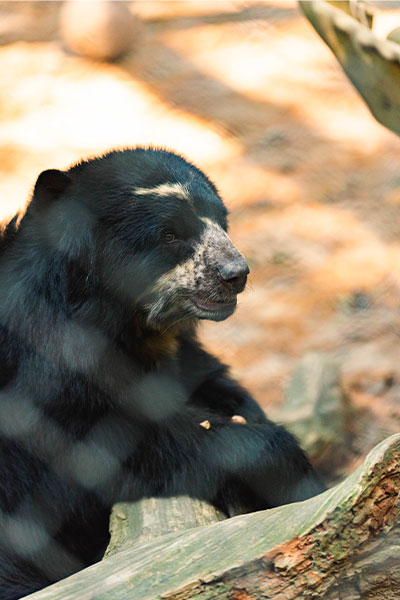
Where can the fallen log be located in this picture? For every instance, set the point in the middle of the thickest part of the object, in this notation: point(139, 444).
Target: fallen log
point(344, 543)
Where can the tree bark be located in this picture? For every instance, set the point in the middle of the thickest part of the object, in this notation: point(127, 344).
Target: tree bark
point(344, 543)
point(151, 518)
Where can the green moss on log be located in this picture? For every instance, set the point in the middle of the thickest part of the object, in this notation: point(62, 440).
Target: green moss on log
point(296, 551)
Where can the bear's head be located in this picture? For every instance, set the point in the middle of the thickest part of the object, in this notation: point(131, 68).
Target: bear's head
point(146, 228)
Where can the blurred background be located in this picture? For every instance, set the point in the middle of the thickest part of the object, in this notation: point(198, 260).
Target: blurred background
point(248, 92)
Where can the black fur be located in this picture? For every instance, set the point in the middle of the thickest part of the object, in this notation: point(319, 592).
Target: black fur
point(103, 384)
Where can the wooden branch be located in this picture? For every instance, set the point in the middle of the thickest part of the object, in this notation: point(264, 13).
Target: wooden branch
point(344, 543)
point(141, 522)
point(371, 64)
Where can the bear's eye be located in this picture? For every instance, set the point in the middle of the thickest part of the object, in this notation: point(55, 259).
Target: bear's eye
point(169, 237)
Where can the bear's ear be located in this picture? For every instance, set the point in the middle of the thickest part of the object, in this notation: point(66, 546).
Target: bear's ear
point(50, 185)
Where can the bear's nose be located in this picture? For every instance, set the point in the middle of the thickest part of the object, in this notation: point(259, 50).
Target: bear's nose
point(234, 274)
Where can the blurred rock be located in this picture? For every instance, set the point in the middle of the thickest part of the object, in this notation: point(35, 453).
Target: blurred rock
point(317, 411)
point(394, 36)
point(102, 30)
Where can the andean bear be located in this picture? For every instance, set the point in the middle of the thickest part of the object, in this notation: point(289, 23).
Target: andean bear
point(104, 386)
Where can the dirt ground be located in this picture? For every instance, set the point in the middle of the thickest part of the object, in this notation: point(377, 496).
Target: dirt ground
point(249, 93)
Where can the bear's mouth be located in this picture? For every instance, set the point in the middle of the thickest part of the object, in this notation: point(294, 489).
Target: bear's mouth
point(209, 306)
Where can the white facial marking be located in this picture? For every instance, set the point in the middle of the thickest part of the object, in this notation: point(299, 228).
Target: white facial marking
point(165, 189)
point(185, 272)
point(213, 244)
